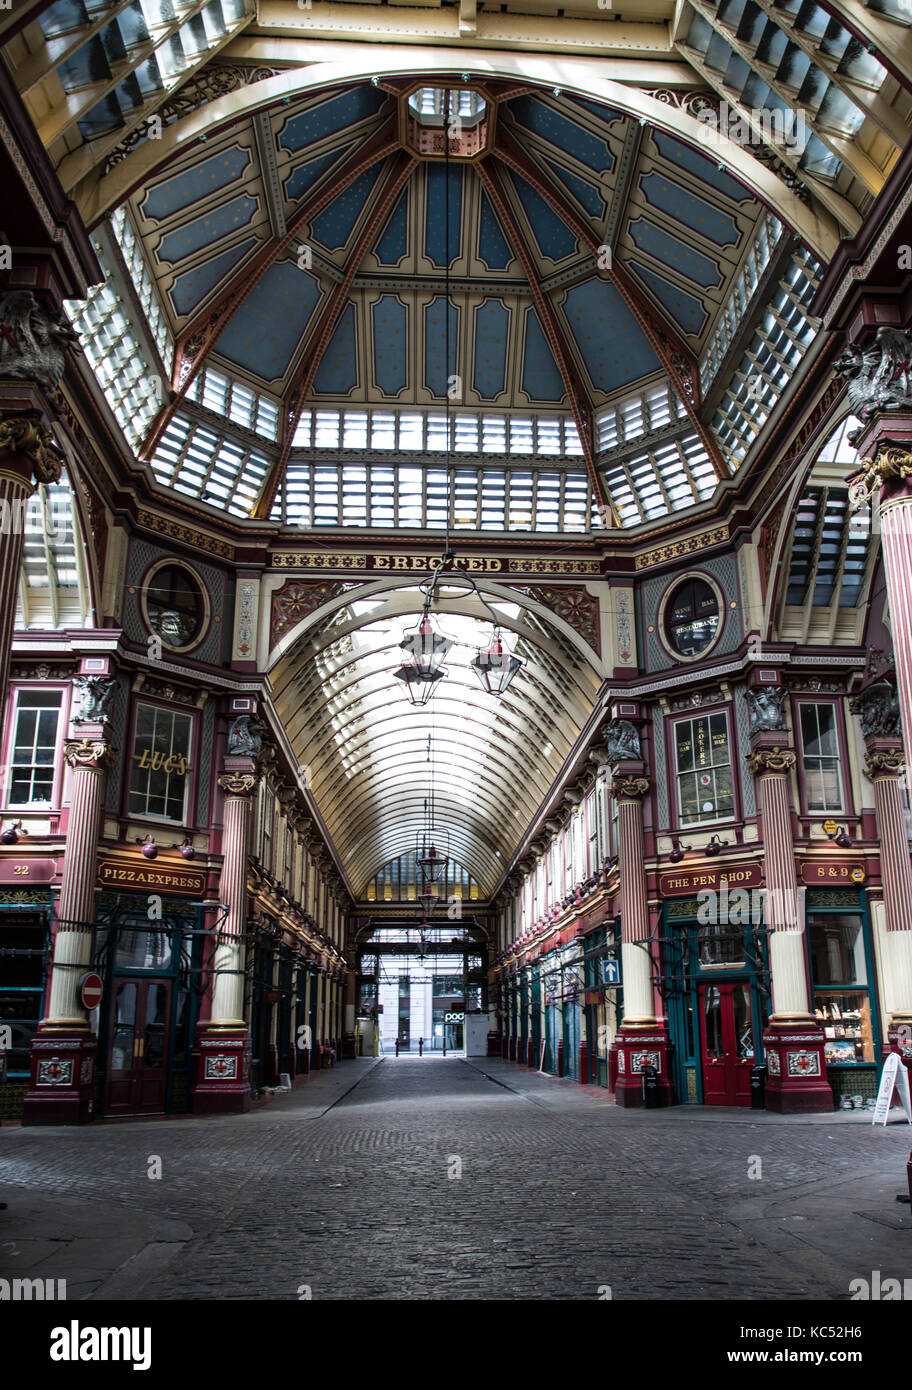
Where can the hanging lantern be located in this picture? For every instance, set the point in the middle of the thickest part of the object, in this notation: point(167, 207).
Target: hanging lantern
point(432, 865)
point(495, 666)
point(421, 669)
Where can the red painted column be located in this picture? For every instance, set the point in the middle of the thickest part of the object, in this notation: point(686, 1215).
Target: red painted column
point(885, 768)
point(62, 1083)
point(793, 1039)
point(223, 1043)
point(641, 1039)
point(886, 483)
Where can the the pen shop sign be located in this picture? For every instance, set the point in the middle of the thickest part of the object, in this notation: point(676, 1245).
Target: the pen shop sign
point(119, 873)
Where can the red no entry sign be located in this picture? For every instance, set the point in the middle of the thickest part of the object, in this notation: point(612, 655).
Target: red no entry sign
point(90, 989)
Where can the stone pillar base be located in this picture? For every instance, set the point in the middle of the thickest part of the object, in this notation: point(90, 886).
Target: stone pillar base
point(222, 1085)
point(62, 1080)
point(796, 1079)
point(637, 1047)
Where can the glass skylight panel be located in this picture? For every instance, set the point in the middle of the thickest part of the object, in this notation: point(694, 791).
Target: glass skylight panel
point(354, 429)
point(493, 434)
point(302, 434)
point(466, 432)
point(411, 431)
point(437, 432)
point(521, 435)
point(326, 429)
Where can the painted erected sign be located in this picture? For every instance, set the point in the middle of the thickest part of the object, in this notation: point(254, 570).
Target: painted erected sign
point(895, 1077)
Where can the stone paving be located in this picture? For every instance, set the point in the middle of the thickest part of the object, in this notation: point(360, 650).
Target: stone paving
point(453, 1179)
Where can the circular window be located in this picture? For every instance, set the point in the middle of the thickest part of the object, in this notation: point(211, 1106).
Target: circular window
point(692, 617)
point(174, 605)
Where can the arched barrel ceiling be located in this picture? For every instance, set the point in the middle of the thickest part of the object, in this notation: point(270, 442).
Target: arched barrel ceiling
point(372, 758)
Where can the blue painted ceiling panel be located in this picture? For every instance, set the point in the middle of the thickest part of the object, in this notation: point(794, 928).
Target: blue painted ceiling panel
point(268, 326)
point(389, 318)
point(441, 229)
point(541, 380)
point(492, 327)
point(562, 132)
point(192, 287)
point(337, 373)
point(687, 311)
point(706, 170)
point(195, 184)
point(685, 207)
point(493, 248)
point(555, 240)
point(306, 174)
point(675, 253)
point(393, 242)
point(436, 367)
point(330, 116)
point(203, 231)
point(585, 193)
point(609, 338)
point(335, 224)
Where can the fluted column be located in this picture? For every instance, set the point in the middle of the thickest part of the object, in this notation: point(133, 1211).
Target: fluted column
point(885, 767)
point(788, 969)
point(223, 1046)
point(88, 757)
point(793, 1039)
point(636, 963)
point(228, 988)
point(642, 1040)
point(63, 1051)
point(887, 485)
point(27, 453)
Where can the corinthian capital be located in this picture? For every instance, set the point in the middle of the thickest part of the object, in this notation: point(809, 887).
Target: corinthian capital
point(889, 464)
point(21, 434)
point(630, 788)
point(885, 762)
point(94, 754)
point(237, 783)
point(771, 760)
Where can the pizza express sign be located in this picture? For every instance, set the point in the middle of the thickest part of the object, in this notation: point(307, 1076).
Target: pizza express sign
point(116, 873)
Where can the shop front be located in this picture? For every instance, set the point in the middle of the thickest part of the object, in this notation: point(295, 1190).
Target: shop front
point(154, 974)
point(24, 953)
point(844, 1001)
point(716, 986)
point(602, 1000)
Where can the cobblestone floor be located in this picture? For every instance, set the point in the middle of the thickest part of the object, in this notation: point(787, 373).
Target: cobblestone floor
point(450, 1179)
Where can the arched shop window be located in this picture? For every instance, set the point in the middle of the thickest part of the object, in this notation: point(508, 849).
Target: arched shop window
point(692, 617)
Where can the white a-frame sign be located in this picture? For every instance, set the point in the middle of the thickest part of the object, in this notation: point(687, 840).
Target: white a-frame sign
point(895, 1077)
